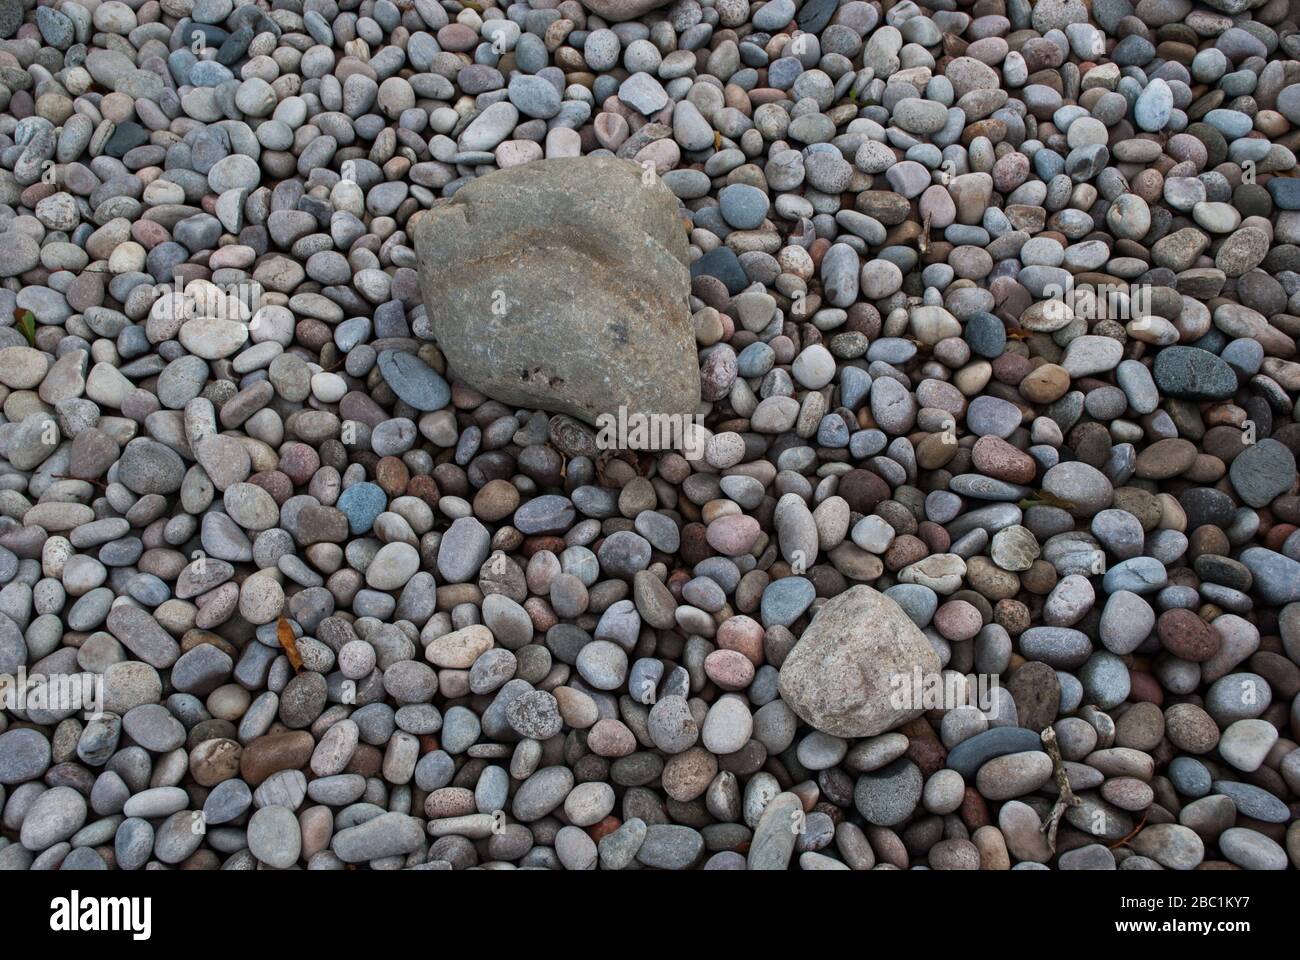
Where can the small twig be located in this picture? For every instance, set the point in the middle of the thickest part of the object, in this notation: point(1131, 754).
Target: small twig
point(101, 484)
point(1067, 797)
point(1132, 833)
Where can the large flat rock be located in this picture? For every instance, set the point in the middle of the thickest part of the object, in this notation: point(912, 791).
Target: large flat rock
point(842, 675)
point(563, 285)
point(615, 10)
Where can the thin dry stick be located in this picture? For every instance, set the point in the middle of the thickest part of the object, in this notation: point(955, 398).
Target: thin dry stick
point(1132, 833)
point(101, 484)
point(1066, 797)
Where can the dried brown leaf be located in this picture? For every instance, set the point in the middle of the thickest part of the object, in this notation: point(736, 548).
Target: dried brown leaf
point(284, 633)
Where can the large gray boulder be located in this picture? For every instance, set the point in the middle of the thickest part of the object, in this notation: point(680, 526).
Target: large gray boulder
point(563, 285)
point(842, 675)
point(616, 10)
point(1234, 7)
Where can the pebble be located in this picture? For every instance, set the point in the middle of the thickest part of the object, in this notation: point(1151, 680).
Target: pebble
point(274, 837)
point(670, 846)
point(24, 755)
point(888, 796)
point(386, 835)
point(971, 754)
point(1251, 850)
point(54, 816)
point(413, 381)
